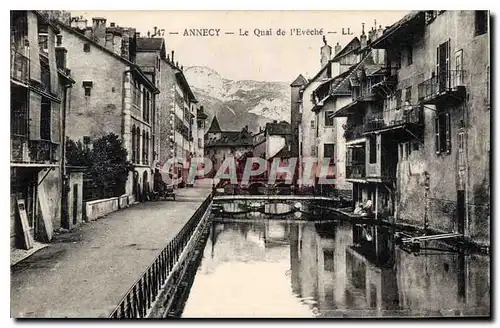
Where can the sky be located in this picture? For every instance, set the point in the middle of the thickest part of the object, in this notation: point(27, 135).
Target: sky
point(265, 58)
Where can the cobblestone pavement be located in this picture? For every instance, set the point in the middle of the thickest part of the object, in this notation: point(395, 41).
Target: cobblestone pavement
point(85, 273)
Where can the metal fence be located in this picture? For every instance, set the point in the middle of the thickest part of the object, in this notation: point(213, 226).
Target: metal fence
point(141, 297)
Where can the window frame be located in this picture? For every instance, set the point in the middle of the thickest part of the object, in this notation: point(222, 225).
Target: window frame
point(329, 119)
point(442, 129)
point(372, 154)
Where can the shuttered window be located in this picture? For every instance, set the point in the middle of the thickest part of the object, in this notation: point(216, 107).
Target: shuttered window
point(442, 126)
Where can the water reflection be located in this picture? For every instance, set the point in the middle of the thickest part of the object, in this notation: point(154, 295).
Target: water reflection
point(285, 268)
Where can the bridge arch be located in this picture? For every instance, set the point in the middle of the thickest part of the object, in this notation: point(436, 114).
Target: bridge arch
point(253, 188)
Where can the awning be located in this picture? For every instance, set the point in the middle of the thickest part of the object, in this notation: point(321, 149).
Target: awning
point(348, 109)
point(400, 30)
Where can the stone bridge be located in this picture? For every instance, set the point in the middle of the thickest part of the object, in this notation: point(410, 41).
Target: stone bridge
point(274, 204)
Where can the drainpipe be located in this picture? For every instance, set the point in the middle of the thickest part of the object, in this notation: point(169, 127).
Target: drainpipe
point(64, 177)
point(376, 202)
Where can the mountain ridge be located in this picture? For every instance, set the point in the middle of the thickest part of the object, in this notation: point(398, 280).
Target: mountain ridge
point(239, 103)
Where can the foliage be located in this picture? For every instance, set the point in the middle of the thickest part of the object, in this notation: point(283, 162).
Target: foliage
point(76, 153)
point(107, 165)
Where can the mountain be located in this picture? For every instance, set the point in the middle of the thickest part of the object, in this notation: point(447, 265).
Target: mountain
point(239, 103)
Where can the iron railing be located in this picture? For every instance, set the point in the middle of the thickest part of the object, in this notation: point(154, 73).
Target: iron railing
point(140, 298)
point(404, 115)
point(42, 151)
point(440, 83)
point(19, 66)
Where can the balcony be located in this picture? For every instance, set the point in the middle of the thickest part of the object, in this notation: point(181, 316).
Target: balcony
point(32, 152)
point(42, 151)
point(353, 132)
point(447, 87)
point(355, 171)
point(19, 66)
point(398, 122)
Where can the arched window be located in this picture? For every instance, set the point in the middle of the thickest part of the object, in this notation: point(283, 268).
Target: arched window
point(147, 147)
point(133, 144)
point(138, 145)
point(144, 156)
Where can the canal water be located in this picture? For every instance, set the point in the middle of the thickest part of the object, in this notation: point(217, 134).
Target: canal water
point(260, 267)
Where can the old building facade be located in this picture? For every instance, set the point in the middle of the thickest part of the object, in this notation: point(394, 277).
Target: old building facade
point(220, 144)
point(420, 142)
point(40, 88)
point(113, 95)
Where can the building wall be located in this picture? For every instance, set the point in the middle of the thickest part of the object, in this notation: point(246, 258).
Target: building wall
point(274, 144)
point(334, 134)
point(458, 27)
point(101, 112)
point(307, 135)
point(294, 117)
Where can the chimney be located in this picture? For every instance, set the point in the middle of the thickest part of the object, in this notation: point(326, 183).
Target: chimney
point(362, 39)
point(326, 53)
point(78, 23)
point(337, 48)
point(177, 64)
point(125, 44)
point(99, 29)
point(137, 34)
point(168, 58)
point(111, 24)
point(172, 57)
point(380, 31)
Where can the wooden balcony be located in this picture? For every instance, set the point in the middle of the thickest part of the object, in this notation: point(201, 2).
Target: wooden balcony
point(446, 88)
point(355, 171)
point(401, 123)
point(32, 152)
point(353, 132)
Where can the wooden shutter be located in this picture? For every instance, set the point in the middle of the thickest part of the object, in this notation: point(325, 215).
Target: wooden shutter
point(448, 64)
point(55, 123)
point(436, 127)
point(437, 64)
point(448, 132)
point(35, 107)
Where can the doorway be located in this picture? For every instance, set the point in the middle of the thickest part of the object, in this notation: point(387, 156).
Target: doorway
point(75, 203)
point(461, 211)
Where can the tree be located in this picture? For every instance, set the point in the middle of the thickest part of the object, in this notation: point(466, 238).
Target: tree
point(107, 165)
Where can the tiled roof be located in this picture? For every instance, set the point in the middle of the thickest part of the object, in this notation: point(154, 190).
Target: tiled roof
point(231, 139)
point(149, 43)
point(280, 128)
point(299, 81)
point(214, 126)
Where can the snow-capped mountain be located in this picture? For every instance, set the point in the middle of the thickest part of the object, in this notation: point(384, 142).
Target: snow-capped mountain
point(239, 103)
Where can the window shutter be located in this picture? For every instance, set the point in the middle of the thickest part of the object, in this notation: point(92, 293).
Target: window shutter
point(55, 123)
point(448, 132)
point(35, 105)
point(436, 127)
point(437, 64)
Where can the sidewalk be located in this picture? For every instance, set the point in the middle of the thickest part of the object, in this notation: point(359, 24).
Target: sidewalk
point(86, 273)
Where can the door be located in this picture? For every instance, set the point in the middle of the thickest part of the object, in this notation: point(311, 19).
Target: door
point(75, 203)
point(443, 65)
point(461, 211)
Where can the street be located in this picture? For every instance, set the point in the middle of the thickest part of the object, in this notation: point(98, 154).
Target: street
point(85, 273)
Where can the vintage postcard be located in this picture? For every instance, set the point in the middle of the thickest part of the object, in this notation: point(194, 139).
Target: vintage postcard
point(250, 164)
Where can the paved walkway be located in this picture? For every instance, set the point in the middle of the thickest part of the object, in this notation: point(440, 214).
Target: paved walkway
point(87, 272)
